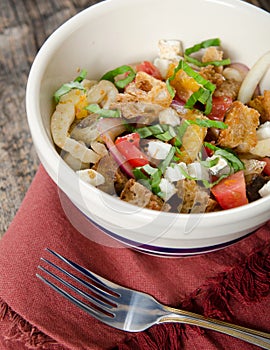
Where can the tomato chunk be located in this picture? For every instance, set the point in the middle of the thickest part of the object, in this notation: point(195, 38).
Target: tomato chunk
point(220, 104)
point(128, 146)
point(266, 169)
point(149, 68)
point(231, 191)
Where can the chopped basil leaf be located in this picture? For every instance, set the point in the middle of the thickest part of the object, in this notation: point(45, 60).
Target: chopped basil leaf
point(82, 76)
point(151, 181)
point(203, 45)
point(121, 83)
point(203, 95)
point(65, 88)
point(105, 113)
point(165, 163)
point(144, 132)
point(156, 129)
point(166, 136)
point(198, 63)
point(139, 174)
point(209, 163)
point(232, 159)
point(208, 123)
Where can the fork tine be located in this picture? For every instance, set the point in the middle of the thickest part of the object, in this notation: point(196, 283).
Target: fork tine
point(97, 314)
point(97, 302)
point(100, 281)
point(93, 288)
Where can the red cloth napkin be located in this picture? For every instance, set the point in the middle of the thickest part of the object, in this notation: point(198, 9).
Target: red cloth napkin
point(232, 284)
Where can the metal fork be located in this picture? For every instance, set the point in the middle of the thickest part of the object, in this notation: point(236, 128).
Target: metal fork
point(130, 310)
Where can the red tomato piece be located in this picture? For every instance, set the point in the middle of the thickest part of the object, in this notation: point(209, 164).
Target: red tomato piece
point(266, 169)
point(132, 138)
point(220, 104)
point(149, 68)
point(231, 191)
point(128, 146)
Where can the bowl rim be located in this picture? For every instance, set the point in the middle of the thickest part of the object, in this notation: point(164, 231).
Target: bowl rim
point(42, 141)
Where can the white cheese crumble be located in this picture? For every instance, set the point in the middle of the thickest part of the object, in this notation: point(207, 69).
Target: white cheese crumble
point(221, 168)
point(170, 49)
point(91, 177)
point(162, 65)
point(169, 116)
point(263, 131)
point(158, 149)
point(173, 172)
point(167, 189)
point(265, 190)
point(198, 171)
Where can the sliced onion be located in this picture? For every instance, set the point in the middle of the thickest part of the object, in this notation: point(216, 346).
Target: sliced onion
point(253, 77)
point(109, 129)
point(241, 68)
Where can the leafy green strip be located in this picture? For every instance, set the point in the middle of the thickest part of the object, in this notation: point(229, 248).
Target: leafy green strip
point(121, 83)
point(231, 158)
point(149, 176)
point(105, 113)
point(166, 132)
point(67, 87)
point(203, 45)
point(203, 95)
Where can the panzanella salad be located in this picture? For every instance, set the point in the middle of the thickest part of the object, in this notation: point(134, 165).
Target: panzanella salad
point(188, 132)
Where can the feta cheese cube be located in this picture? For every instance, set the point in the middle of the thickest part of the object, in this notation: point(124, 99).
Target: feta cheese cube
point(167, 189)
point(91, 177)
point(173, 172)
point(158, 149)
point(170, 49)
point(198, 171)
point(221, 168)
point(265, 190)
point(263, 131)
point(169, 116)
point(162, 65)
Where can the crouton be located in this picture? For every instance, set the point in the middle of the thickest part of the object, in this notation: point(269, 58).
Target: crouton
point(148, 89)
point(137, 194)
point(210, 73)
point(262, 105)
point(193, 199)
point(242, 123)
point(228, 88)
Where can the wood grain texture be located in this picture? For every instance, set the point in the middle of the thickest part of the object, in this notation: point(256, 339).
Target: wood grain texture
point(24, 26)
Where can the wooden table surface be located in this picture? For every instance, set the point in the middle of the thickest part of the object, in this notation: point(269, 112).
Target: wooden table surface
point(24, 26)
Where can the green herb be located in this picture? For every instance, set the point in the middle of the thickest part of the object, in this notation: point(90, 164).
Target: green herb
point(231, 158)
point(165, 163)
point(148, 176)
point(82, 76)
point(203, 95)
point(121, 83)
point(162, 132)
point(180, 131)
point(203, 45)
point(67, 87)
point(209, 163)
point(208, 123)
point(105, 113)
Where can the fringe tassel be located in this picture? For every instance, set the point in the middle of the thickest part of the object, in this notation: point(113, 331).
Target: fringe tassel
point(161, 337)
point(249, 282)
point(19, 330)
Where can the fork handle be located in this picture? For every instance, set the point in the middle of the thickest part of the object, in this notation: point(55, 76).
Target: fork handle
point(249, 335)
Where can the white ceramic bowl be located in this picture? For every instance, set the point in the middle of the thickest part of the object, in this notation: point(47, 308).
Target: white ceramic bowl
point(117, 32)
